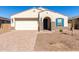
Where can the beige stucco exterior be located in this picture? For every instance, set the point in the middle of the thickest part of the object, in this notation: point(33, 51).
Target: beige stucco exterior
point(39, 14)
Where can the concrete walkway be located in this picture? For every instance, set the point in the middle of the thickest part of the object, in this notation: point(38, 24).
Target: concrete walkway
point(18, 41)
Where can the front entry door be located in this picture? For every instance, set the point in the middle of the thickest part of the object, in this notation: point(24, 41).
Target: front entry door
point(46, 24)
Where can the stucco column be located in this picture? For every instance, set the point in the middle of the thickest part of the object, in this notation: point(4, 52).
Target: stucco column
point(12, 23)
point(41, 24)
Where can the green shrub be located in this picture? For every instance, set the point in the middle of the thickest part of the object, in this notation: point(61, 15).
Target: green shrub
point(60, 30)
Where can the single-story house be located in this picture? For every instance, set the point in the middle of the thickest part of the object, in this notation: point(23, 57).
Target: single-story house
point(4, 23)
point(38, 19)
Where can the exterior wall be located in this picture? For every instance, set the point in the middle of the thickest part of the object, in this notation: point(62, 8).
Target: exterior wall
point(53, 25)
point(32, 13)
point(26, 25)
point(53, 17)
point(12, 22)
point(41, 25)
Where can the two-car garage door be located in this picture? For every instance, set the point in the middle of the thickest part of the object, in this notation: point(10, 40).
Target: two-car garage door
point(26, 25)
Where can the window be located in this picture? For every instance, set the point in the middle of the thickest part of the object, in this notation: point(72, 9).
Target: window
point(59, 22)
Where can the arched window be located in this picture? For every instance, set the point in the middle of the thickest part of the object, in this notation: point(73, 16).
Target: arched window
point(59, 22)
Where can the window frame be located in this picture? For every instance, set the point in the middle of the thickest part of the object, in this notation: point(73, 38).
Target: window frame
point(62, 22)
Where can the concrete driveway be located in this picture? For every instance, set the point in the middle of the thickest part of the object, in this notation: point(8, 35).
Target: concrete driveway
point(18, 41)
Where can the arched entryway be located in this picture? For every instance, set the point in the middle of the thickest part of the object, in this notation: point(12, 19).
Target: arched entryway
point(47, 23)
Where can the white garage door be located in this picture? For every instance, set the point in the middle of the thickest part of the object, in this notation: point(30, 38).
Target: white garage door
point(26, 25)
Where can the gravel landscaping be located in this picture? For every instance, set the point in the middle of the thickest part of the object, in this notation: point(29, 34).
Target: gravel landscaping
point(55, 41)
point(39, 41)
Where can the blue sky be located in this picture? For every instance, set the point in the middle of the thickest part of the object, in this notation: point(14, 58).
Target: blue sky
point(70, 11)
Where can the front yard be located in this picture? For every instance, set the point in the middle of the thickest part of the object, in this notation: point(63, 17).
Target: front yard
point(16, 40)
point(55, 41)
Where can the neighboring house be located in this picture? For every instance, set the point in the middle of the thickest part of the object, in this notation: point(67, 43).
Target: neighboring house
point(74, 21)
point(4, 23)
point(38, 19)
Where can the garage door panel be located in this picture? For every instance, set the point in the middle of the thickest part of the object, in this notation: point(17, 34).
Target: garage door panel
point(26, 25)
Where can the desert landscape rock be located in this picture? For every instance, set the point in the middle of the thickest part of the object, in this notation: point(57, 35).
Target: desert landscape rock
point(23, 40)
point(55, 41)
